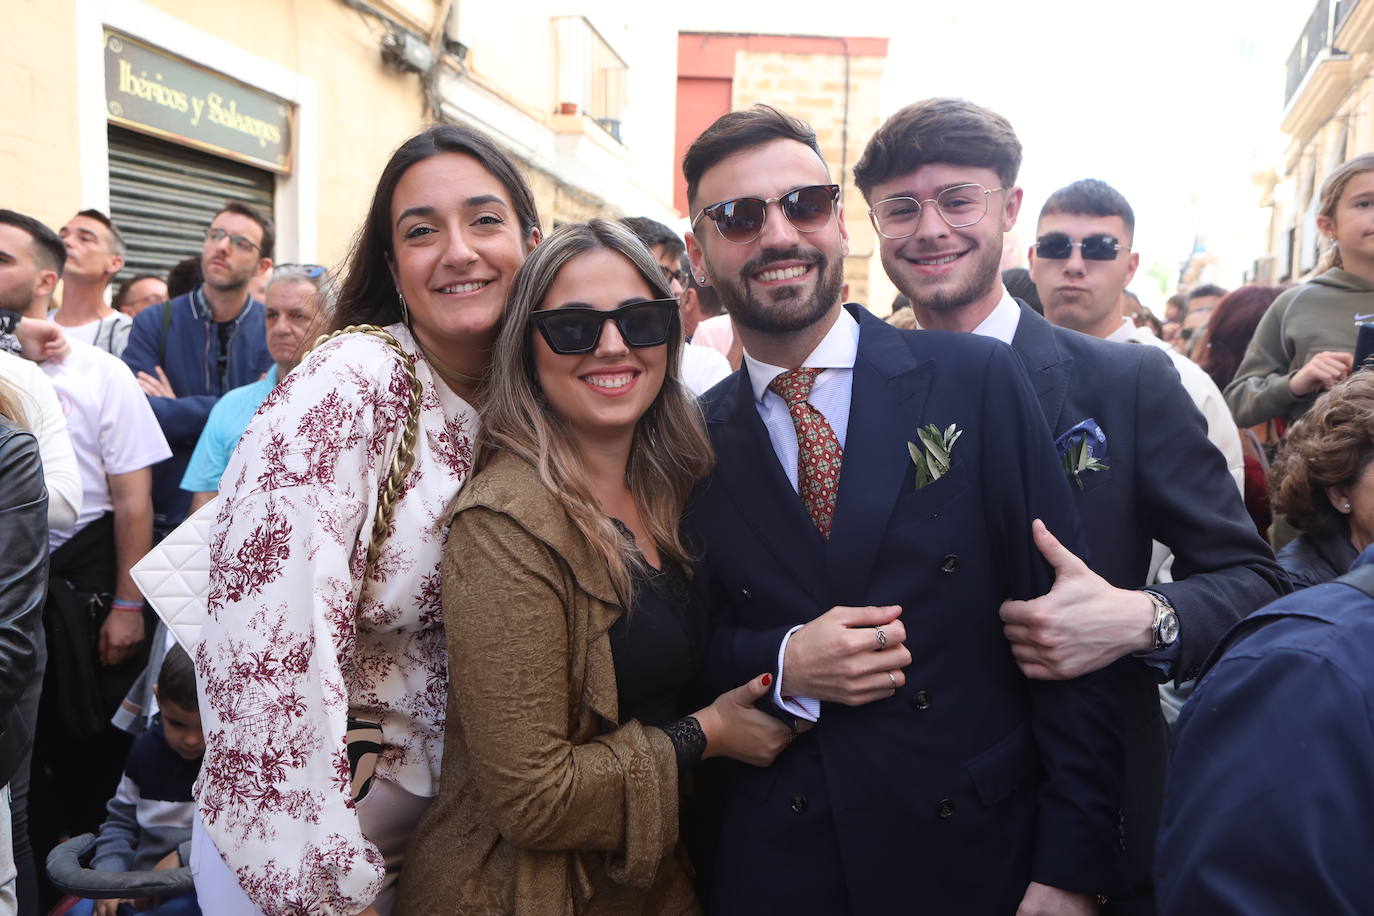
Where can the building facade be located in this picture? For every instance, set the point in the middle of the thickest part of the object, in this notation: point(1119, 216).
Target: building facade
point(159, 110)
point(832, 83)
point(1328, 117)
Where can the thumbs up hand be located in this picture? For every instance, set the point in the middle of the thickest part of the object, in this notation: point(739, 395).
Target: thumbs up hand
point(1084, 623)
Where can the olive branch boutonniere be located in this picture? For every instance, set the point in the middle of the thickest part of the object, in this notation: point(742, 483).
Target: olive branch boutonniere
point(932, 456)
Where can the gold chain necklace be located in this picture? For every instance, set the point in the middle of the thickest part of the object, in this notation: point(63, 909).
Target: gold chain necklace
point(475, 383)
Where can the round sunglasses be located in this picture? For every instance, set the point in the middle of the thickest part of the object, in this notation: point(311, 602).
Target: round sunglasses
point(740, 219)
point(577, 329)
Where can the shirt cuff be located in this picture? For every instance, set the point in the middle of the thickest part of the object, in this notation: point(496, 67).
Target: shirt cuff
point(1162, 660)
point(801, 707)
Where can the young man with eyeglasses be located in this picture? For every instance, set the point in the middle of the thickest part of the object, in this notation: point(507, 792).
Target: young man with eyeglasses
point(1130, 440)
point(191, 350)
point(869, 512)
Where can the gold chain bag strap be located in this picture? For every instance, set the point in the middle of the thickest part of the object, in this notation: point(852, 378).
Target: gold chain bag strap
point(364, 736)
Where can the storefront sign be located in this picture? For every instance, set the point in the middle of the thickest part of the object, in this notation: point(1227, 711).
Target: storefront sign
point(149, 90)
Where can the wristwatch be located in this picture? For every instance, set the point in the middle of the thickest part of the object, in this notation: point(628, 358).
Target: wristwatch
point(1165, 627)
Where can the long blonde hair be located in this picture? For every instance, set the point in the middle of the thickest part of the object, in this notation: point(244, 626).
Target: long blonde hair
point(1332, 189)
point(10, 407)
point(670, 452)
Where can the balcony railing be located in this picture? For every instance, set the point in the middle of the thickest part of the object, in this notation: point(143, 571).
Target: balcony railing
point(591, 75)
point(1317, 36)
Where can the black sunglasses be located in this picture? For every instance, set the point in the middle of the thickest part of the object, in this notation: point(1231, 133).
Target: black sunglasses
point(740, 219)
point(1056, 246)
point(574, 329)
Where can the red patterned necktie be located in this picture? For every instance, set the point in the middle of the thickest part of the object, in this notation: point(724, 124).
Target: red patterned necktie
point(818, 450)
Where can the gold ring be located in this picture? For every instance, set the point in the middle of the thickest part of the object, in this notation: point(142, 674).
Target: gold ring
point(893, 678)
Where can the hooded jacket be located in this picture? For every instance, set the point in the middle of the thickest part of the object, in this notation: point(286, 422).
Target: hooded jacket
point(1316, 317)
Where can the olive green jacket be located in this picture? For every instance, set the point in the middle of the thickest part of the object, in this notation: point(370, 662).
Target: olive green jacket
point(546, 804)
point(1309, 319)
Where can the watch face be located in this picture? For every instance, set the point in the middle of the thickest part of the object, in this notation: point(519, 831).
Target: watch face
point(1168, 628)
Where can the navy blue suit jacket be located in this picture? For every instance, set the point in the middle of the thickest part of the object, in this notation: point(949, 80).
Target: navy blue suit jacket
point(1269, 801)
point(1164, 481)
point(971, 781)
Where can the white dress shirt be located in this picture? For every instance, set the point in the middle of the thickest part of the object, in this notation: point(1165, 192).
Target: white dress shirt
point(1002, 321)
point(830, 395)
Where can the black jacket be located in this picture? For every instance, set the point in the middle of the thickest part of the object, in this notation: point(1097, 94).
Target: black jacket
point(23, 582)
point(1164, 481)
point(1311, 559)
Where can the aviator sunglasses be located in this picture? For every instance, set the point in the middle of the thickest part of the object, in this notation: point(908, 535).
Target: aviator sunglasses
point(740, 219)
point(575, 329)
point(1056, 246)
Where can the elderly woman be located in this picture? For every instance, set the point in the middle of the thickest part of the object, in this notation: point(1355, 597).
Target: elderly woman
point(1323, 481)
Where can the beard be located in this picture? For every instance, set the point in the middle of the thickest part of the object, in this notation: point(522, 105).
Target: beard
point(18, 298)
point(983, 272)
point(788, 309)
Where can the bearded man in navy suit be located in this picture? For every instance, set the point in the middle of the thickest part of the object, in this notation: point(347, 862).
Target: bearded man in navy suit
point(871, 508)
point(1126, 429)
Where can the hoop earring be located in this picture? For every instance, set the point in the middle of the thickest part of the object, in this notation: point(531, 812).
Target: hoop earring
point(405, 312)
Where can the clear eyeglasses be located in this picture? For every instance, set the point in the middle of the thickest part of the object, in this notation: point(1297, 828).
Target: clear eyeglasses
point(960, 206)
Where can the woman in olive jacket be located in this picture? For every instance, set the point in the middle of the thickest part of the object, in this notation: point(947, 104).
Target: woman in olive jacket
point(568, 611)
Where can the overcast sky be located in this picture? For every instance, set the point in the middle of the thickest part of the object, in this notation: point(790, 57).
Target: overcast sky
point(1176, 103)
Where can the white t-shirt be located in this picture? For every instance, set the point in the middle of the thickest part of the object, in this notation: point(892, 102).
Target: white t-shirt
point(43, 415)
point(702, 367)
point(110, 333)
point(113, 429)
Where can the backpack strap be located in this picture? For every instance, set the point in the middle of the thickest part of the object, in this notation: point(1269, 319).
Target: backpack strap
point(166, 329)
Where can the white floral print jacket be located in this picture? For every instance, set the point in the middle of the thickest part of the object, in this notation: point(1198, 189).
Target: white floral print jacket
point(289, 650)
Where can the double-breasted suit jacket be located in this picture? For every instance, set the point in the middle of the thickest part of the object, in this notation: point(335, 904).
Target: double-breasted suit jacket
point(971, 781)
point(1164, 481)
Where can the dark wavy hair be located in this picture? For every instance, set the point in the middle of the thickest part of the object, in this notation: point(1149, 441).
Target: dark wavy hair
point(1330, 446)
point(1229, 331)
point(939, 130)
point(368, 294)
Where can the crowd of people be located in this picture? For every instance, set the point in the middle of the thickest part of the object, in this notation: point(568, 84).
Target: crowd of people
point(606, 571)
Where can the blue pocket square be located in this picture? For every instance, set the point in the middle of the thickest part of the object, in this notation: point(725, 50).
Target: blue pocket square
point(1085, 431)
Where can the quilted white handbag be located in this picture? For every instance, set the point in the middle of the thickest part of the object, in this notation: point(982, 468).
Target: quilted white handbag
point(175, 575)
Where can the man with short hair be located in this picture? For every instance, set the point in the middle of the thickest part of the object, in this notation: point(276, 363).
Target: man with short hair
point(297, 295)
point(871, 481)
point(116, 440)
point(1083, 290)
point(701, 367)
point(1198, 307)
point(194, 348)
point(95, 253)
point(940, 177)
point(139, 292)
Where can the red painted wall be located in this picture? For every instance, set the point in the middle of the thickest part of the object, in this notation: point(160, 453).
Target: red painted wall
point(706, 70)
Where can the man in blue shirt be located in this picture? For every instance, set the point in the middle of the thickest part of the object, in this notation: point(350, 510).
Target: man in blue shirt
point(297, 295)
point(198, 346)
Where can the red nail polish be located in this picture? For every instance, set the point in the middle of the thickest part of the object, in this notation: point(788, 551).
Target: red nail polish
point(767, 680)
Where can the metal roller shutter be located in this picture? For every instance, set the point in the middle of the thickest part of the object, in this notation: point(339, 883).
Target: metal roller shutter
point(162, 196)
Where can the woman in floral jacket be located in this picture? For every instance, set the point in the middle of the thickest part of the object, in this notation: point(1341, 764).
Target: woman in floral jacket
point(297, 640)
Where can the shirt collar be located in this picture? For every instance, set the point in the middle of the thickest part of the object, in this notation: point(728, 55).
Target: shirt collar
point(837, 350)
point(1002, 321)
point(1125, 333)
